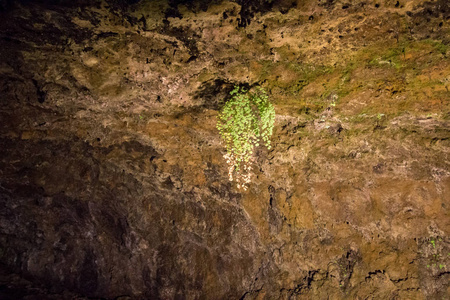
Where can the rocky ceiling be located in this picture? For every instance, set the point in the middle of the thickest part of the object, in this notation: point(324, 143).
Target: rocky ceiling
point(113, 183)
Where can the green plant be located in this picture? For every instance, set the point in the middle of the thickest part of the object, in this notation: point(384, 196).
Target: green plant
point(244, 122)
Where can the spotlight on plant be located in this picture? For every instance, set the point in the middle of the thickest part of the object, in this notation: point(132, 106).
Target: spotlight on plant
point(245, 122)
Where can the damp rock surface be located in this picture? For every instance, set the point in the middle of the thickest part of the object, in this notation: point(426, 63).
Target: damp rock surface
point(113, 183)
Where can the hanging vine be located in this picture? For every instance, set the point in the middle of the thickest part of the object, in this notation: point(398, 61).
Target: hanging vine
point(245, 122)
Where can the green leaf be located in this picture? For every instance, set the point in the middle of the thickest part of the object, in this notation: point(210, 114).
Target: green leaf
point(245, 120)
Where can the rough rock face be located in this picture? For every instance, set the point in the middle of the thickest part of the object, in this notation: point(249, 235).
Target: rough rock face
point(112, 177)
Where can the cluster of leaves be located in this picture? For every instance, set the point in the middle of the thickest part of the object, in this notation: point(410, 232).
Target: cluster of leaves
point(244, 122)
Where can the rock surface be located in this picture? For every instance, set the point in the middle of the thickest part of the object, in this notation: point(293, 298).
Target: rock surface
point(112, 178)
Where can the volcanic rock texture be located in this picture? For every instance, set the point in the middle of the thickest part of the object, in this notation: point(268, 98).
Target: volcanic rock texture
point(113, 183)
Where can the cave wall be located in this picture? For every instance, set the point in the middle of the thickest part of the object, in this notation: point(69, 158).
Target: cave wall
point(112, 177)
